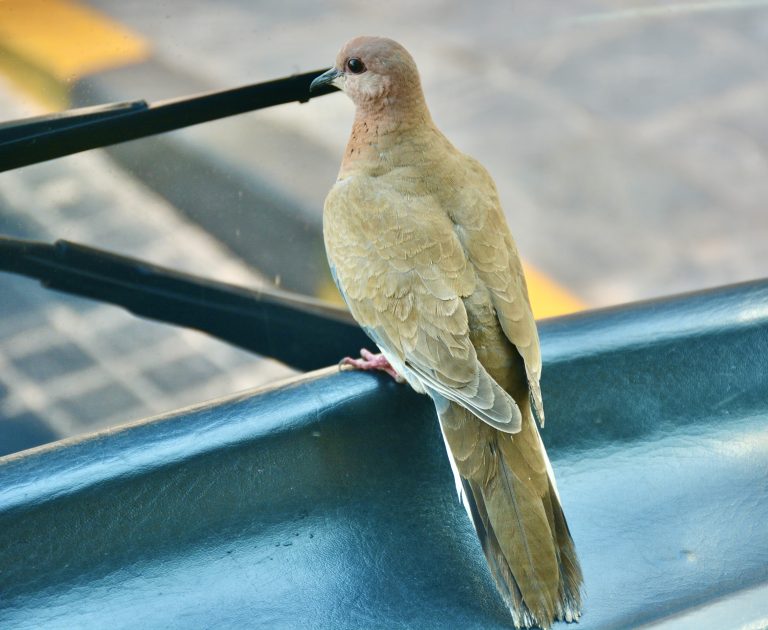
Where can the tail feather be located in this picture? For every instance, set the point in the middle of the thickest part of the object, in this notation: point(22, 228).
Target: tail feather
point(509, 589)
point(571, 577)
point(512, 501)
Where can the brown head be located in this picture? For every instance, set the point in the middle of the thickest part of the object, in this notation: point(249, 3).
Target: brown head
point(378, 74)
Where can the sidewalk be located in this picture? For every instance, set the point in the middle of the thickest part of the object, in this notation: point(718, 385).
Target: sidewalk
point(628, 140)
point(70, 365)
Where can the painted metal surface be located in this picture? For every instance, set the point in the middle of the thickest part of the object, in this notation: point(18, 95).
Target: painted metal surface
point(328, 502)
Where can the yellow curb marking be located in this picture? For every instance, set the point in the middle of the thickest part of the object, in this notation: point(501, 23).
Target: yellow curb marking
point(548, 298)
point(45, 43)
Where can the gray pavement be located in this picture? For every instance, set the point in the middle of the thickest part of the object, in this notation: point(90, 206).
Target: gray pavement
point(630, 148)
point(70, 365)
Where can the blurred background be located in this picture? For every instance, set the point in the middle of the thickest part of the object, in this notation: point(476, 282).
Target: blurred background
point(629, 142)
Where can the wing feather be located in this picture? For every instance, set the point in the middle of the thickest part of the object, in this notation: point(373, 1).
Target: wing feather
point(405, 285)
point(491, 249)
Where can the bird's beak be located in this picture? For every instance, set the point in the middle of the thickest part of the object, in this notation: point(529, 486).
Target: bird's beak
point(327, 77)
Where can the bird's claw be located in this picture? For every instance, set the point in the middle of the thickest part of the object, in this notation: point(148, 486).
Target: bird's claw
point(370, 361)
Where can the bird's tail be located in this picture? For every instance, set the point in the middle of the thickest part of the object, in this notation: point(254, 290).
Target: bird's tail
point(507, 486)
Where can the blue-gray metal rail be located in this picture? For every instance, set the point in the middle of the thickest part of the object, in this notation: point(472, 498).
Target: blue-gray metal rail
point(328, 502)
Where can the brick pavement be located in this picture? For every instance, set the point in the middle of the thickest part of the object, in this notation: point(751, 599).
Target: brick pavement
point(70, 365)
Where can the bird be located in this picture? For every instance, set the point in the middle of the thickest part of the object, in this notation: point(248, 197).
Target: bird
point(422, 254)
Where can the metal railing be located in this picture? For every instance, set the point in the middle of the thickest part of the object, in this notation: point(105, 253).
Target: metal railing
point(42, 138)
point(291, 328)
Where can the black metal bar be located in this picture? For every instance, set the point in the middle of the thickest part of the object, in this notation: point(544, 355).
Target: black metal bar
point(44, 138)
point(31, 127)
point(301, 332)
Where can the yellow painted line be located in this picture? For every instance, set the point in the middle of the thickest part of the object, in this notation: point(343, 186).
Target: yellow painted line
point(49, 43)
point(548, 298)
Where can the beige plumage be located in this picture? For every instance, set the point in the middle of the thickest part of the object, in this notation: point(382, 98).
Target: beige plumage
point(422, 254)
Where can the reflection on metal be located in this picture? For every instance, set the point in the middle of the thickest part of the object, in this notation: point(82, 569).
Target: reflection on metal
point(48, 137)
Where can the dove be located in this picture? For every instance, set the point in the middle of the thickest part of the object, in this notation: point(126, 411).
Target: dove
point(421, 253)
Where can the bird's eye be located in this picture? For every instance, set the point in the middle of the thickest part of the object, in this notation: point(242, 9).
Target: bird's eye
point(355, 66)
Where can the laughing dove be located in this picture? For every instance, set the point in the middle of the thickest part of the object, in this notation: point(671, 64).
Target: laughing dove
point(421, 253)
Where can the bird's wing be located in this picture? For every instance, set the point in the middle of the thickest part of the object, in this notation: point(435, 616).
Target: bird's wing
point(403, 272)
point(489, 246)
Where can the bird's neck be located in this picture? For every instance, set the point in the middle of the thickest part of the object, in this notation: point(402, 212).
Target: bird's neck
point(385, 133)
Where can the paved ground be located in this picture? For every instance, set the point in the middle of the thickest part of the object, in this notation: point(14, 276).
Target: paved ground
point(69, 365)
point(630, 148)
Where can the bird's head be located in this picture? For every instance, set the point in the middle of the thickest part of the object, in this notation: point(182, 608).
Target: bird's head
point(375, 72)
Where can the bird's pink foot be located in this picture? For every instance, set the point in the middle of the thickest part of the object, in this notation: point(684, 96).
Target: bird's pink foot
point(370, 361)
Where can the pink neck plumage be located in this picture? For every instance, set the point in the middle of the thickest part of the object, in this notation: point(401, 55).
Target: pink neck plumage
point(383, 122)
